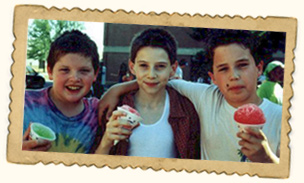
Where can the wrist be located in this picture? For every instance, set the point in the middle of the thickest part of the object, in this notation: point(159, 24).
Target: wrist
point(104, 146)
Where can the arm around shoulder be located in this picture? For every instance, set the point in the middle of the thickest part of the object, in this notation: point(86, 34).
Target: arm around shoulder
point(110, 98)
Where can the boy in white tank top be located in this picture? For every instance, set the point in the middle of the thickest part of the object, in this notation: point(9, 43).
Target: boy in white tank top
point(170, 128)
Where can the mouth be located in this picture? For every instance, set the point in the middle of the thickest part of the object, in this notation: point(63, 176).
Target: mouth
point(73, 88)
point(151, 84)
point(236, 88)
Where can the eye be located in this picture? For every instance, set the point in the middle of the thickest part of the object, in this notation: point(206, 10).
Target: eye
point(85, 70)
point(65, 70)
point(161, 66)
point(223, 69)
point(143, 65)
point(241, 65)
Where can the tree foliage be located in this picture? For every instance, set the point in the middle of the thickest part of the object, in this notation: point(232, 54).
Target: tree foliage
point(41, 33)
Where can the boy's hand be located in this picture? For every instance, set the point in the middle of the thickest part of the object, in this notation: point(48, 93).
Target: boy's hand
point(34, 145)
point(256, 147)
point(111, 98)
point(107, 103)
point(115, 130)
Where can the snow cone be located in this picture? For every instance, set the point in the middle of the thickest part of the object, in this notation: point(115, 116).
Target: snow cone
point(41, 132)
point(249, 115)
point(132, 116)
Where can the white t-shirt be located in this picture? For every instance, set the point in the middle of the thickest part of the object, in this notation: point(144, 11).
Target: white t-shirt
point(155, 140)
point(218, 128)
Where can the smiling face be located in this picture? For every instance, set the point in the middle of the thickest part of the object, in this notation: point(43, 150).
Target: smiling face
point(235, 73)
point(73, 75)
point(152, 69)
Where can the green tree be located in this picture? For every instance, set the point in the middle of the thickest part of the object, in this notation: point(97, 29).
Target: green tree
point(41, 33)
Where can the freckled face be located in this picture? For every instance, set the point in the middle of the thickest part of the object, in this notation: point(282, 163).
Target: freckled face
point(152, 69)
point(73, 75)
point(235, 73)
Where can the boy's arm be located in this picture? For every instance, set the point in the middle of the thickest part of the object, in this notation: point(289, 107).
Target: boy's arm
point(193, 91)
point(110, 99)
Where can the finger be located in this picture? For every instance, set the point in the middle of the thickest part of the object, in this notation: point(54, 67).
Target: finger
point(101, 109)
point(246, 151)
point(114, 137)
point(119, 130)
point(43, 148)
point(29, 145)
point(116, 114)
point(249, 146)
point(118, 124)
point(43, 142)
point(258, 133)
point(27, 132)
point(249, 138)
point(109, 112)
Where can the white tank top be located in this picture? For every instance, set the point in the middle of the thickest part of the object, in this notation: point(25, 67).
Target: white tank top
point(155, 140)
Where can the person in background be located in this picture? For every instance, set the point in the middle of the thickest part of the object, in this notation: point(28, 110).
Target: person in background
point(271, 88)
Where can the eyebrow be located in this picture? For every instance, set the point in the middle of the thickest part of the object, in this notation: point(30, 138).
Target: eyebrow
point(238, 61)
point(158, 62)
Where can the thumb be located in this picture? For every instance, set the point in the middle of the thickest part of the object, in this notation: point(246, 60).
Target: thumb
point(101, 110)
point(109, 113)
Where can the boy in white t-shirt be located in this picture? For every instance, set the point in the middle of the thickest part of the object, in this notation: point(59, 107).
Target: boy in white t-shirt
point(235, 70)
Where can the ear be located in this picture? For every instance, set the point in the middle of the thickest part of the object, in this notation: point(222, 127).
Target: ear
point(260, 68)
point(50, 72)
point(174, 67)
point(131, 67)
point(211, 75)
point(96, 74)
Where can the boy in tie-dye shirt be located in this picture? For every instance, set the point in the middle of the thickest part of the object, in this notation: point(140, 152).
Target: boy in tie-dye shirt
point(73, 67)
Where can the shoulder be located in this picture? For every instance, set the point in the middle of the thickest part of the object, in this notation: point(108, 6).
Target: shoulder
point(176, 99)
point(36, 96)
point(271, 109)
point(268, 105)
point(128, 98)
point(92, 103)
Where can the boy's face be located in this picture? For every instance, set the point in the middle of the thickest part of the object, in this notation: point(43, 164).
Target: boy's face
point(73, 75)
point(235, 73)
point(152, 69)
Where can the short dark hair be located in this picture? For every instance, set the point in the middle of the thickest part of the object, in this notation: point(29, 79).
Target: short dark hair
point(154, 37)
point(222, 37)
point(73, 42)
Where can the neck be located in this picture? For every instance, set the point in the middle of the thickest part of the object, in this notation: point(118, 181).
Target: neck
point(145, 100)
point(69, 109)
point(255, 100)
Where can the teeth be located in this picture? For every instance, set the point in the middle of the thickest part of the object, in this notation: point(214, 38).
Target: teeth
point(73, 87)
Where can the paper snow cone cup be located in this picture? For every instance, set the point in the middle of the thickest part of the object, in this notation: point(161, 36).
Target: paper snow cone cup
point(249, 115)
point(132, 117)
point(41, 132)
point(243, 127)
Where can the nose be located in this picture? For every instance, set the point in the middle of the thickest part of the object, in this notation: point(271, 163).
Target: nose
point(75, 76)
point(234, 75)
point(152, 73)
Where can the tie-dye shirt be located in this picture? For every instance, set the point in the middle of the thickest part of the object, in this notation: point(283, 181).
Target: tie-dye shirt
point(73, 134)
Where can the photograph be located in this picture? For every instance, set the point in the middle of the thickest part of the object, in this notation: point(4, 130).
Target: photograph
point(108, 89)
